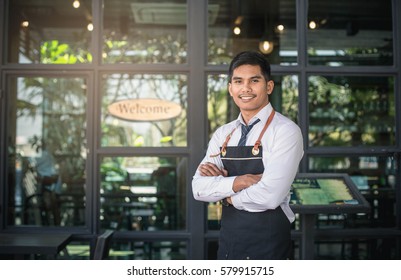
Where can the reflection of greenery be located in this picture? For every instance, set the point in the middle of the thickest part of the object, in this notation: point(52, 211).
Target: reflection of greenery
point(373, 55)
point(111, 167)
point(217, 54)
point(154, 46)
point(355, 50)
point(289, 95)
point(328, 164)
point(26, 108)
point(326, 109)
point(219, 102)
point(60, 103)
point(117, 134)
point(350, 111)
point(62, 109)
point(53, 52)
point(63, 112)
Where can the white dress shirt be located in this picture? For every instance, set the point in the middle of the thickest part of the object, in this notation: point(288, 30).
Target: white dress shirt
point(282, 151)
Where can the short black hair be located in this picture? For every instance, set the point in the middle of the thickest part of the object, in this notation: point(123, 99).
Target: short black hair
point(250, 58)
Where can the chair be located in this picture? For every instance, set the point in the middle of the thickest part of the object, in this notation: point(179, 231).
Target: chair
point(103, 245)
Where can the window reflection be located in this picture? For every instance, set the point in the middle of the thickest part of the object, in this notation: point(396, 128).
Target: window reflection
point(53, 32)
point(266, 26)
point(47, 151)
point(220, 107)
point(143, 193)
point(351, 111)
point(346, 34)
point(142, 32)
point(147, 110)
point(285, 96)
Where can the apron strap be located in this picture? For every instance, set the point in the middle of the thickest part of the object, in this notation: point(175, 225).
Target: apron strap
point(223, 147)
point(255, 149)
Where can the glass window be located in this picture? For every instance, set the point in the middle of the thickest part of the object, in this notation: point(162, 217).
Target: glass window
point(375, 178)
point(221, 110)
point(145, 32)
point(220, 107)
point(285, 96)
point(143, 193)
point(350, 33)
point(144, 110)
point(267, 26)
point(46, 151)
point(49, 32)
point(351, 111)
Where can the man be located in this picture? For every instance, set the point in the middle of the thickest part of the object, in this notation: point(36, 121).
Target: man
point(252, 176)
point(50, 185)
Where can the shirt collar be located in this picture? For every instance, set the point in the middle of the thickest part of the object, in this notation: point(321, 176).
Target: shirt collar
point(263, 115)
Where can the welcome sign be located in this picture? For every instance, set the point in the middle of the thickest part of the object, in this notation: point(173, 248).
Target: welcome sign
point(144, 109)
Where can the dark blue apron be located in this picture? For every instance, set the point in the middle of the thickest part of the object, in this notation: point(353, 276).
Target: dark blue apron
point(251, 235)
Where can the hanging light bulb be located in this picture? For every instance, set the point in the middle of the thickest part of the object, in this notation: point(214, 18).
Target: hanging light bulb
point(76, 4)
point(266, 46)
point(90, 26)
point(25, 23)
point(312, 24)
point(237, 30)
point(266, 42)
point(280, 28)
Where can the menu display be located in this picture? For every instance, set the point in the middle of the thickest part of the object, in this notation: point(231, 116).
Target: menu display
point(327, 193)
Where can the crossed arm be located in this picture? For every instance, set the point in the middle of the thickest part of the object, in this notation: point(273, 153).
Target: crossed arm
point(283, 151)
point(240, 182)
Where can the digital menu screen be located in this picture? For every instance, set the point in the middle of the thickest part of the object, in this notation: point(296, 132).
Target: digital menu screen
point(323, 191)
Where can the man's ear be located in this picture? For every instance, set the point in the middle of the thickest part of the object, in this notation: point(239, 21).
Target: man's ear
point(229, 89)
point(270, 87)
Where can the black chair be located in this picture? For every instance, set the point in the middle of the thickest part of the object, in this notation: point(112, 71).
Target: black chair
point(102, 247)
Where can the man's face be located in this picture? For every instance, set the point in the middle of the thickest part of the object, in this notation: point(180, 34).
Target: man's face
point(250, 90)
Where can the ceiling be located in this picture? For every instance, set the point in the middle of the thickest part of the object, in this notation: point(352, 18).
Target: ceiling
point(340, 17)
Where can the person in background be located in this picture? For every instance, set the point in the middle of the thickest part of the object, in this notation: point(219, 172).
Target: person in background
point(250, 165)
point(49, 184)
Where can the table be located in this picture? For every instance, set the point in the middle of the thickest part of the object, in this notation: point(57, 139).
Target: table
point(20, 244)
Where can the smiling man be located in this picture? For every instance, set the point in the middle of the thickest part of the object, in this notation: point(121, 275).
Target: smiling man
point(250, 165)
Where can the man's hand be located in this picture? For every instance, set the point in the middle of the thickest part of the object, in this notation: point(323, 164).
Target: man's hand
point(210, 169)
point(245, 181)
point(240, 182)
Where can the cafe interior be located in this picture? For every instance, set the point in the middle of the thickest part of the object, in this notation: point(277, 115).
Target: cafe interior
point(107, 108)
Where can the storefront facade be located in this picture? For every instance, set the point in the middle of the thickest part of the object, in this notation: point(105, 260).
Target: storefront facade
point(107, 108)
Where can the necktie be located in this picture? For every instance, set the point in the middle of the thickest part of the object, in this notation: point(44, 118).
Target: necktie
point(244, 132)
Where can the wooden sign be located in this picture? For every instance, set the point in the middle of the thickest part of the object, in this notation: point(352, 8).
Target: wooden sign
point(144, 109)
